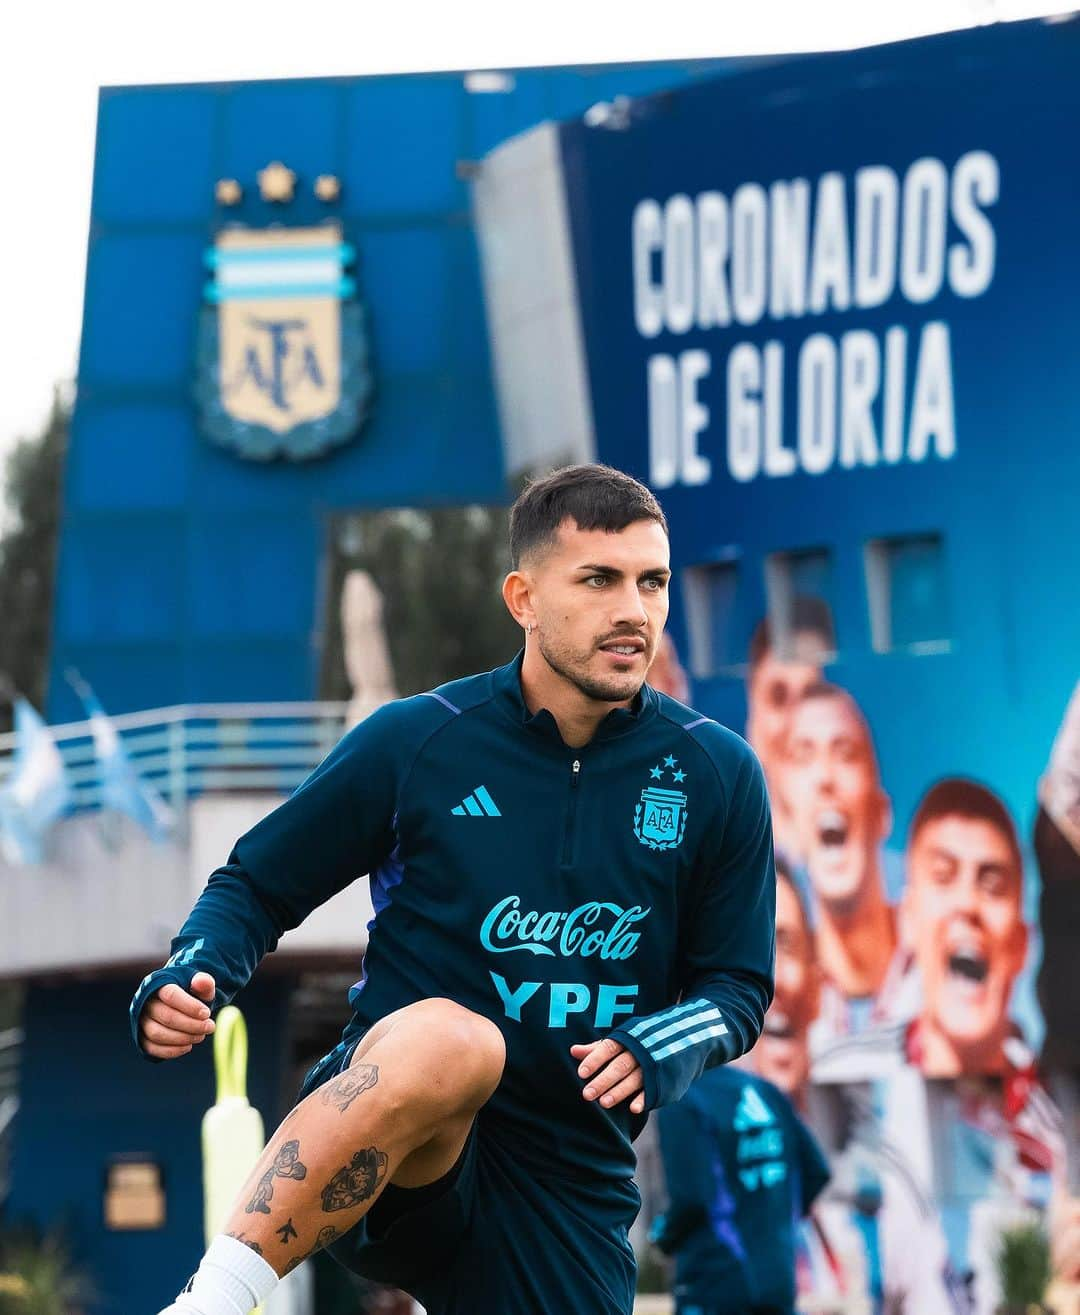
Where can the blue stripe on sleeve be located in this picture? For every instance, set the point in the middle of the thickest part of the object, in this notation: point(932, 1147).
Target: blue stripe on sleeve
point(684, 1043)
point(658, 1020)
point(710, 1015)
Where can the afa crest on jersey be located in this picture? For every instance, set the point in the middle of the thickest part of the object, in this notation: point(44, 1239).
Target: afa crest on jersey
point(283, 368)
point(660, 814)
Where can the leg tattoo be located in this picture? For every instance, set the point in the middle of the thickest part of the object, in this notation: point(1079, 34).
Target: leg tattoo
point(326, 1236)
point(243, 1237)
point(355, 1182)
point(352, 1083)
point(286, 1165)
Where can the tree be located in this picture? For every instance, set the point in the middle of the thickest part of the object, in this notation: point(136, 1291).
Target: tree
point(439, 572)
point(28, 541)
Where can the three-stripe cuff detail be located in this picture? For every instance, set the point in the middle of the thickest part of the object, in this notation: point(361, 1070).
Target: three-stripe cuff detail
point(678, 1029)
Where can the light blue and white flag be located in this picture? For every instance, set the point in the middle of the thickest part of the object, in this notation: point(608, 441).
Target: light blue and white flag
point(36, 793)
point(123, 790)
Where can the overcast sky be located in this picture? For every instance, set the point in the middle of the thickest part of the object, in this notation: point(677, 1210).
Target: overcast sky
point(57, 55)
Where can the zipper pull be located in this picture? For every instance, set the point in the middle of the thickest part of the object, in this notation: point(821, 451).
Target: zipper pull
point(575, 767)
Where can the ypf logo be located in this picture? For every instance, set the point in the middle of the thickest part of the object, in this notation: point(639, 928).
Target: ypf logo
point(660, 814)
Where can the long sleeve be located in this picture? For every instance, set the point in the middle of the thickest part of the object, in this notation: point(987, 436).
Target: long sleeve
point(684, 1146)
point(337, 826)
point(726, 950)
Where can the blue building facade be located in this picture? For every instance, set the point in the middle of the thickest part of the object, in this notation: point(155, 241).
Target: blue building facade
point(186, 573)
point(827, 314)
point(966, 442)
point(826, 311)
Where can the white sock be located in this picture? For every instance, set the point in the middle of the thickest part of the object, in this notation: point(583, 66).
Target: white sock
point(232, 1280)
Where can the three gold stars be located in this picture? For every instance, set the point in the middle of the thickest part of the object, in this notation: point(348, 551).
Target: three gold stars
point(277, 184)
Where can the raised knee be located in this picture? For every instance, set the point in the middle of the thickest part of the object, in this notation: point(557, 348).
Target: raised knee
point(467, 1049)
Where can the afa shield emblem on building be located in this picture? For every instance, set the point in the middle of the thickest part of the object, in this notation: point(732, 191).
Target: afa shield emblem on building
point(660, 814)
point(283, 368)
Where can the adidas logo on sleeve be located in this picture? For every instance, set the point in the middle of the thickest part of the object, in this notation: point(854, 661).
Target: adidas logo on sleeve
point(477, 804)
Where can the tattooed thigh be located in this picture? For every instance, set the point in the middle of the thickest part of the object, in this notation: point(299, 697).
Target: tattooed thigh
point(355, 1182)
point(286, 1164)
point(345, 1088)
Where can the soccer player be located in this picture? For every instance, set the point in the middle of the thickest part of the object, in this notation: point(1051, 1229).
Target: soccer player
point(872, 1231)
point(742, 1170)
point(778, 674)
point(963, 920)
point(573, 880)
point(841, 816)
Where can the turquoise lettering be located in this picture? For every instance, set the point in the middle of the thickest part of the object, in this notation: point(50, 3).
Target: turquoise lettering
point(547, 927)
point(609, 1002)
point(763, 1175)
point(774, 1172)
point(585, 915)
point(567, 998)
point(576, 932)
point(765, 1145)
point(513, 1000)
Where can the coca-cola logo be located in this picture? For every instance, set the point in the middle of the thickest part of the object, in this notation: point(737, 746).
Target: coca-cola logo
point(595, 928)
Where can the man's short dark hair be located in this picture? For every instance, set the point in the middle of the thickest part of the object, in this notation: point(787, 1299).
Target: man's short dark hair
point(594, 497)
point(956, 796)
point(808, 615)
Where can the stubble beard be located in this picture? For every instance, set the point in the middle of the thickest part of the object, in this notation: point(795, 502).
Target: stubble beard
point(571, 665)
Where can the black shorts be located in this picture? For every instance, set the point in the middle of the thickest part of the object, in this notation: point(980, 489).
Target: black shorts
point(494, 1236)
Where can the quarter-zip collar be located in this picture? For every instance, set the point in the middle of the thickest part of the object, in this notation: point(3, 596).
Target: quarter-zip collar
point(506, 685)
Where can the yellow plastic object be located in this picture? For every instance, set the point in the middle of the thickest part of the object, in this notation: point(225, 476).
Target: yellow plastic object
point(232, 1131)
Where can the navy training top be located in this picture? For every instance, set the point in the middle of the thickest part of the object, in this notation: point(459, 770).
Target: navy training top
point(622, 888)
point(742, 1169)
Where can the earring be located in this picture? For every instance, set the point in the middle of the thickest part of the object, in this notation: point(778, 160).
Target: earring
point(529, 628)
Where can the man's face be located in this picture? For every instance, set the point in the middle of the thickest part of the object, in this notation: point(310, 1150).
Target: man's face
point(783, 1054)
point(775, 688)
point(601, 601)
point(963, 920)
point(839, 812)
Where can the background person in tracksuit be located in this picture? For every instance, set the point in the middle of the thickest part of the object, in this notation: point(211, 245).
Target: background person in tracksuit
point(742, 1170)
point(574, 894)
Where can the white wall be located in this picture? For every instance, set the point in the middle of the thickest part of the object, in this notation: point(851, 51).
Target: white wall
point(108, 895)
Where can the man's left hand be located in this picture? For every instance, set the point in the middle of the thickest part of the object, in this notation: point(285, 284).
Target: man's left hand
point(613, 1074)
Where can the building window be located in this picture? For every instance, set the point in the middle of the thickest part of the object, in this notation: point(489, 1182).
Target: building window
point(799, 593)
point(905, 583)
point(715, 628)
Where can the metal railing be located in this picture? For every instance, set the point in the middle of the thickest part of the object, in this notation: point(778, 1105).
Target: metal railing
point(188, 750)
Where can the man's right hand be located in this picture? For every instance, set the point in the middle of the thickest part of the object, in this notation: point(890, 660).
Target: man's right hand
point(173, 1020)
